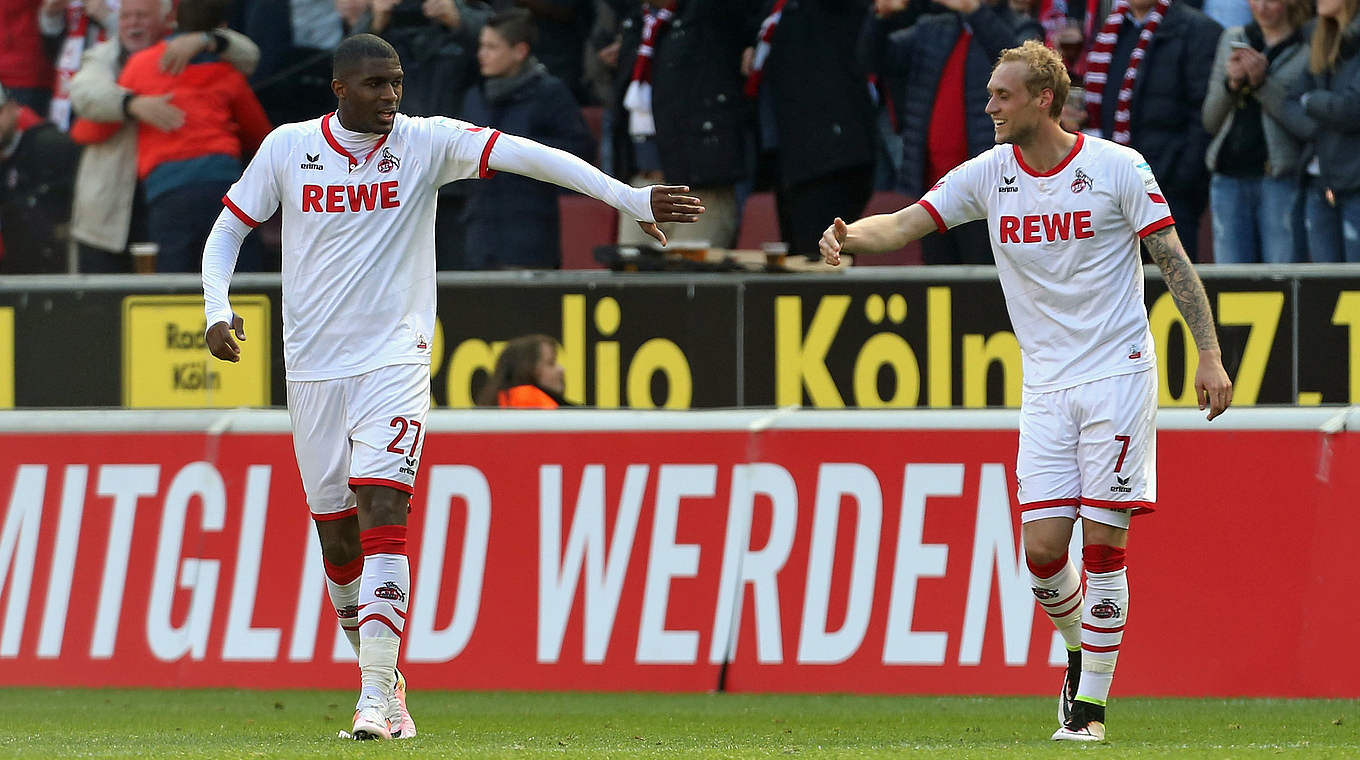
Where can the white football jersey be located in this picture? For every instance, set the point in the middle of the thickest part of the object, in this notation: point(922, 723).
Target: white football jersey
point(1067, 254)
point(358, 237)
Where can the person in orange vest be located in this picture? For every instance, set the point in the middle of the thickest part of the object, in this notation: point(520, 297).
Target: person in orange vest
point(527, 375)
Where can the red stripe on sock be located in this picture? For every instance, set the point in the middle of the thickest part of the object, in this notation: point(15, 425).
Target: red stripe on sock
point(1069, 598)
point(383, 539)
point(400, 614)
point(1065, 613)
point(1099, 558)
point(1098, 629)
point(344, 574)
point(383, 620)
point(1047, 570)
point(1092, 648)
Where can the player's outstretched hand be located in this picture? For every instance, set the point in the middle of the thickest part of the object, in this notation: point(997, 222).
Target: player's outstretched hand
point(832, 240)
point(220, 341)
point(671, 204)
point(1212, 386)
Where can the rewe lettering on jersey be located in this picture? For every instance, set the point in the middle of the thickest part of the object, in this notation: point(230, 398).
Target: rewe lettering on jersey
point(1046, 228)
point(338, 199)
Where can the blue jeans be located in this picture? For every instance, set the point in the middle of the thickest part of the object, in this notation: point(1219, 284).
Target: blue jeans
point(1253, 219)
point(1333, 231)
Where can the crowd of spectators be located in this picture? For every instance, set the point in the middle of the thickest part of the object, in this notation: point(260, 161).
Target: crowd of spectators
point(121, 121)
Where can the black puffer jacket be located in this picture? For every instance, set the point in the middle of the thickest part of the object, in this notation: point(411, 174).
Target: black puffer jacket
point(36, 184)
point(1165, 120)
point(512, 221)
point(697, 102)
point(911, 62)
point(823, 109)
point(1333, 104)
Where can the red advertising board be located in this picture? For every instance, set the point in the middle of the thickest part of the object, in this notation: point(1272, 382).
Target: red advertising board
point(781, 559)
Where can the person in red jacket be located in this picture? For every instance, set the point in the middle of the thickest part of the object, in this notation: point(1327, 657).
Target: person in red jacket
point(186, 171)
point(25, 65)
point(527, 375)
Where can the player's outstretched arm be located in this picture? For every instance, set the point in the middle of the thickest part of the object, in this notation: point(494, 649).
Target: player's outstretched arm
point(1212, 385)
point(219, 261)
point(647, 205)
point(875, 234)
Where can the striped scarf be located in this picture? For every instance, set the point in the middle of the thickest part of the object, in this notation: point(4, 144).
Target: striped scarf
point(1098, 67)
point(68, 61)
point(638, 98)
point(763, 48)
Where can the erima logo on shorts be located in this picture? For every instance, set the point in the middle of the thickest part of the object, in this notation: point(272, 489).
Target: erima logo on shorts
point(1123, 486)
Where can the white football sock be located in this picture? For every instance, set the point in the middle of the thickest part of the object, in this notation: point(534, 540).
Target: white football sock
point(1102, 632)
point(1060, 596)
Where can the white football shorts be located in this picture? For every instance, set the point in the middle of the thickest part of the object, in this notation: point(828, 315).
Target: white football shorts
point(1090, 450)
point(367, 429)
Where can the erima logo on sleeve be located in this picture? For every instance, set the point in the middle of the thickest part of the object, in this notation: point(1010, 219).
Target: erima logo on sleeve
point(311, 162)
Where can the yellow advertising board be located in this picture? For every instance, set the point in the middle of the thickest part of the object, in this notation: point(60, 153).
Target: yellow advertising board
point(166, 361)
point(6, 357)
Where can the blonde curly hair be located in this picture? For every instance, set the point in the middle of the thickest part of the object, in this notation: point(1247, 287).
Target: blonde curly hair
point(1046, 72)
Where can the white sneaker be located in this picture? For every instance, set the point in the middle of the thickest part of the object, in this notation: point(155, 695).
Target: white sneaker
point(370, 721)
point(403, 727)
point(1093, 731)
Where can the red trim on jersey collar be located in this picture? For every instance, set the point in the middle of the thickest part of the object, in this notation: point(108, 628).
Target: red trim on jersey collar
point(338, 148)
point(243, 216)
point(1076, 148)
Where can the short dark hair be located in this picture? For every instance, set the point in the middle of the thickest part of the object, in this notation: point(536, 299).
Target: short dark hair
point(356, 49)
point(202, 15)
point(516, 25)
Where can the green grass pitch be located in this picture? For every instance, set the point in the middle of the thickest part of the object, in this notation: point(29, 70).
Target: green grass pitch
point(72, 723)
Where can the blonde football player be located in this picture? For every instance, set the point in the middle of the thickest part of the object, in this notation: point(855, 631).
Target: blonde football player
point(1065, 213)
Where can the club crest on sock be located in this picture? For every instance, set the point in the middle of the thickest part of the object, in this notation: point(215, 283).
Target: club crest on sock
point(391, 592)
point(1106, 609)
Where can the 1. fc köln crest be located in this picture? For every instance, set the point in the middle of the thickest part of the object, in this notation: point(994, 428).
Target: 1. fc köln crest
point(388, 162)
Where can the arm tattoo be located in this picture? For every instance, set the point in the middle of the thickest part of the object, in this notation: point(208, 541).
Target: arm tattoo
point(1184, 284)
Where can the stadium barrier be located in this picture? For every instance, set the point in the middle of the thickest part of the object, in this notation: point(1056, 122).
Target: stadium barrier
point(753, 551)
point(897, 337)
